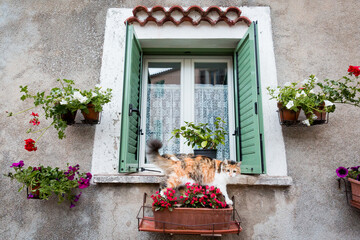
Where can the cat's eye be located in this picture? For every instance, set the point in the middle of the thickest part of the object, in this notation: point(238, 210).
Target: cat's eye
point(228, 170)
point(234, 171)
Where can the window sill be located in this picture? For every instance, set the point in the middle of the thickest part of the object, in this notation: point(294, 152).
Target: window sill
point(257, 180)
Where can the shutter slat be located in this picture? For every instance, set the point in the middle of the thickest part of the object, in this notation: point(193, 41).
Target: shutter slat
point(248, 142)
point(129, 138)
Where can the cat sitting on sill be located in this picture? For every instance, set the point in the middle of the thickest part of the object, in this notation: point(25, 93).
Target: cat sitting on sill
point(182, 168)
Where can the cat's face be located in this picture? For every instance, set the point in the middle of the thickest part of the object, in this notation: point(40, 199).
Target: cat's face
point(231, 168)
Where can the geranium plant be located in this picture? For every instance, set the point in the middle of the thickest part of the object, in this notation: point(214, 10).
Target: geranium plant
point(59, 103)
point(194, 196)
point(201, 135)
point(315, 97)
point(42, 181)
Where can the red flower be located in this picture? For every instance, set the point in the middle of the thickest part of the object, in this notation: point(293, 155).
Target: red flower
point(354, 70)
point(30, 145)
point(34, 114)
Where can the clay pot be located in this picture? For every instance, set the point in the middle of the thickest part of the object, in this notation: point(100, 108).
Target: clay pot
point(321, 116)
point(191, 218)
point(69, 117)
point(287, 115)
point(36, 194)
point(92, 117)
point(355, 191)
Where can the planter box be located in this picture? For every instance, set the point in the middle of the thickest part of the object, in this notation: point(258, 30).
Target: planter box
point(193, 218)
point(355, 191)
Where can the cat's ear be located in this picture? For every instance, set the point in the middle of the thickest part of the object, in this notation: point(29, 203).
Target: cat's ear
point(225, 162)
point(238, 164)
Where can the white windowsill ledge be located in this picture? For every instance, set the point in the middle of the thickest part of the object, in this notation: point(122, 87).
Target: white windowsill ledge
point(258, 180)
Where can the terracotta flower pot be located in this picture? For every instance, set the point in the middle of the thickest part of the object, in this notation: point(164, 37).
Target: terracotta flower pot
point(287, 115)
point(321, 116)
point(92, 117)
point(355, 191)
point(69, 117)
point(36, 194)
point(191, 218)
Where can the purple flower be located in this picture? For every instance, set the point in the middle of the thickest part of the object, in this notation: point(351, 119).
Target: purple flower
point(358, 177)
point(19, 164)
point(37, 169)
point(84, 183)
point(355, 168)
point(342, 172)
point(72, 205)
point(77, 197)
point(88, 175)
point(30, 196)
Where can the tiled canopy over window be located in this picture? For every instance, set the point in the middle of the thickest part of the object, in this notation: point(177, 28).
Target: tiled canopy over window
point(193, 14)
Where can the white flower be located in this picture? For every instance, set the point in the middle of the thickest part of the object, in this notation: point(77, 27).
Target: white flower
point(312, 91)
point(314, 117)
point(94, 94)
point(276, 92)
point(78, 96)
point(328, 103)
point(297, 95)
point(303, 93)
point(306, 122)
point(305, 81)
point(290, 104)
point(63, 102)
point(287, 84)
point(316, 79)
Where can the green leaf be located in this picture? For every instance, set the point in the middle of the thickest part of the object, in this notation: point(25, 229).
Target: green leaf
point(203, 144)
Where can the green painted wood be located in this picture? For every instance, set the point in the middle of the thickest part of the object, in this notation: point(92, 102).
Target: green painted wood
point(129, 138)
point(248, 107)
point(189, 51)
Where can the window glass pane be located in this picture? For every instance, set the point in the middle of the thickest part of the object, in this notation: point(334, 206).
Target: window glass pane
point(211, 99)
point(163, 105)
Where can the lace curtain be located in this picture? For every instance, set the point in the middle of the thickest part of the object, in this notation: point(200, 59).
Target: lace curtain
point(163, 113)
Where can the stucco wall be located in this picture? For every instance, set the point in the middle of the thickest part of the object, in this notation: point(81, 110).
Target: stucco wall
point(41, 41)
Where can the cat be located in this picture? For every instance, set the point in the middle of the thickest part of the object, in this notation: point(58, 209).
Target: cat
point(183, 168)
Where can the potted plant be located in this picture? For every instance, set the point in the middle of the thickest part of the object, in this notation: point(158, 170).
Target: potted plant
point(287, 101)
point(352, 174)
point(42, 182)
point(97, 98)
point(61, 105)
point(197, 205)
point(201, 136)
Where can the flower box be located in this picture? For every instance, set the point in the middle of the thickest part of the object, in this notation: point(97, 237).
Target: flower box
point(355, 191)
point(193, 218)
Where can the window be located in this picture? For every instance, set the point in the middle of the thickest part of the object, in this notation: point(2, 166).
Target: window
point(203, 39)
point(181, 89)
point(247, 101)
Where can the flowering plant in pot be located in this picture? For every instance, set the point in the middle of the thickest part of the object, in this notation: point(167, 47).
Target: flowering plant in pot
point(196, 205)
point(42, 182)
point(352, 174)
point(60, 105)
point(97, 98)
point(201, 136)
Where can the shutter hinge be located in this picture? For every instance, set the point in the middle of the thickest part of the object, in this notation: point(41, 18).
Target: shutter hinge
point(256, 110)
point(236, 132)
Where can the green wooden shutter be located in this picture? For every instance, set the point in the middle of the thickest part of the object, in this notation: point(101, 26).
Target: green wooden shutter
point(130, 122)
point(248, 108)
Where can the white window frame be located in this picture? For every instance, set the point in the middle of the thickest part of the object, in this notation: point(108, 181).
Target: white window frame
point(105, 158)
point(187, 64)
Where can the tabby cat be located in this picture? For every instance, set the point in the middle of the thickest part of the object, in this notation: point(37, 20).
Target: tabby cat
point(184, 168)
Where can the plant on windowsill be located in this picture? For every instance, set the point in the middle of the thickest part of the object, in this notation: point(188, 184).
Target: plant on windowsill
point(196, 205)
point(42, 182)
point(61, 105)
point(351, 174)
point(199, 135)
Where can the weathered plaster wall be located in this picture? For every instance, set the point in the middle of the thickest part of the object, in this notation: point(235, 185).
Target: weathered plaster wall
point(44, 40)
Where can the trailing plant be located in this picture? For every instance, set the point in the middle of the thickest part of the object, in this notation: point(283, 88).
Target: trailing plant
point(201, 135)
point(59, 102)
point(48, 180)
